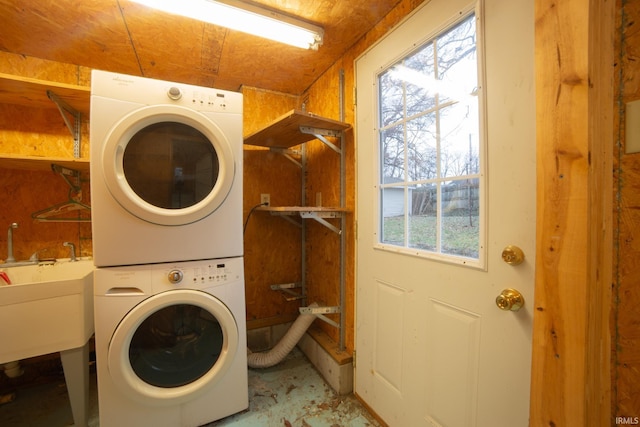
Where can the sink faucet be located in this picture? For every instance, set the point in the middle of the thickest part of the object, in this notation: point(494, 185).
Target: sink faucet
point(73, 250)
point(10, 257)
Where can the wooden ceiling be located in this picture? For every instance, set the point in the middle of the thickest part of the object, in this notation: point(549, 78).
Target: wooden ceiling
point(122, 36)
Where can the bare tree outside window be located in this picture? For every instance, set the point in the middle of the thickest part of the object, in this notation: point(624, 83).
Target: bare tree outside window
point(429, 146)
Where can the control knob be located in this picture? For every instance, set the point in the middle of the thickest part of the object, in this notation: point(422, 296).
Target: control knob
point(175, 276)
point(174, 93)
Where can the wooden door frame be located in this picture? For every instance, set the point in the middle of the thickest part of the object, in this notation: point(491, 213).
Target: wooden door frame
point(571, 380)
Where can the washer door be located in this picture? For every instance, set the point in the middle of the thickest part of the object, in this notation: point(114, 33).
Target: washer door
point(172, 347)
point(168, 165)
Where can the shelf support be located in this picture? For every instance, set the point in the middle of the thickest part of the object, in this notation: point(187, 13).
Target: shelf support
point(285, 216)
point(288, 154)
point(321, 133)
point(287, 290)
point(320, 312)
point(74, 127)
point(319, 217)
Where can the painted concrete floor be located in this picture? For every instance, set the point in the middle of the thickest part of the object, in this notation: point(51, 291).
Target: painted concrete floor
point(291, 394)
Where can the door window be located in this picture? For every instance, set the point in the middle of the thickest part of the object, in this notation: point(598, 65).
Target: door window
point(176, 345)
point(170, 165)
point(430, 149)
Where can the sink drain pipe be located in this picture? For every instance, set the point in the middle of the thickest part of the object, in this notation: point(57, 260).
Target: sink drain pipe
point(284, 346)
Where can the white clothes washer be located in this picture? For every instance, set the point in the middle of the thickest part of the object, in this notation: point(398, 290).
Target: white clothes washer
point(170, 343)
point(166, 171)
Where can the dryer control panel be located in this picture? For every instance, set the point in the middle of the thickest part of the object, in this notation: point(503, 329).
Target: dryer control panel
point(145, 91)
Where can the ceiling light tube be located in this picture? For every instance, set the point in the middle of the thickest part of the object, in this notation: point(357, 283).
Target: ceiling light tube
point(240, 16)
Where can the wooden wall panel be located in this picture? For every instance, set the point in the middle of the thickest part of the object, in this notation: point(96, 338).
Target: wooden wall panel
point(626, 334)
point(272, 245)
point(39, 132)
point(323, 265)
point(42, 69)
point(25, 192)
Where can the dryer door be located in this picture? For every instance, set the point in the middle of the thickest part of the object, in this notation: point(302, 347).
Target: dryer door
point(168, 165)
point(172, 347)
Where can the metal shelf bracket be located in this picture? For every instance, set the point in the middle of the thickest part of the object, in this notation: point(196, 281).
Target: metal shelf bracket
point(321, 133)
point(320, 312)
point(319, 217)
point(287, 291)
point(74, 127)
point(288, 154)
point(286, 216)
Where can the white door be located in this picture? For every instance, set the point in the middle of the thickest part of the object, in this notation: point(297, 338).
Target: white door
point(432, 346)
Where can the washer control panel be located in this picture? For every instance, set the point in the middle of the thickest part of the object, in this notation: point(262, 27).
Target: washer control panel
point(201, 274)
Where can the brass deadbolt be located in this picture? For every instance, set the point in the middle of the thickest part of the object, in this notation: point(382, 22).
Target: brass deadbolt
point(510, 300)
point(512, 255)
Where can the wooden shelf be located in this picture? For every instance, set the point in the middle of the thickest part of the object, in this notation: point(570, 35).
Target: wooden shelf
point(284, 132)
point(33, 93)
point(29, 92)
point(289, 130)
point(11, 161)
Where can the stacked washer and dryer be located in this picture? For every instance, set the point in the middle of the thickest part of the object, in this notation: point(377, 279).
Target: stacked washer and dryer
point(166, 190)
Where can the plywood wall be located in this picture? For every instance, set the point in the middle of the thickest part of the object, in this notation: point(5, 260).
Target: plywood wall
point(626, 334)
point(39, 132)
point(272, 246)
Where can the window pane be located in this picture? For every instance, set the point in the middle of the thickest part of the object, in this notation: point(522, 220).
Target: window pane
point(393, 209)
point(419, 73)
point(393, 153)
point(423, 222)
point(460, 225)
point(459, 141)
point(457, 63)
point(391, 100)
point(422, 148)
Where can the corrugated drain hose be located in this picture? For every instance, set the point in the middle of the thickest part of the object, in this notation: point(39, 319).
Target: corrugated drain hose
point(284, 346)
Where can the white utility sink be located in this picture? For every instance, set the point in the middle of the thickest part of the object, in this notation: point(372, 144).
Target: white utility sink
point(48, 308)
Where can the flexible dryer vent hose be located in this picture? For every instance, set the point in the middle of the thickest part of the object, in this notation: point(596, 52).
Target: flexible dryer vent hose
point(284, 346)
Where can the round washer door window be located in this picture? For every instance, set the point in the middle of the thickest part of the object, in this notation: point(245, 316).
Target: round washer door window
point(172, 347)
point(168, 165)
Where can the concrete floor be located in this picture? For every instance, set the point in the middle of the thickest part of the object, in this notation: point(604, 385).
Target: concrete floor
point(291, 394)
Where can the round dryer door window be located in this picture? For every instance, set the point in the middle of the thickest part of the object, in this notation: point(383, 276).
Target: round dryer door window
point(172, 347)
point(168, 165)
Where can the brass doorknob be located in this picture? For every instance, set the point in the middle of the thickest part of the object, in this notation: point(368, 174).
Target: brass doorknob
point(512, 255)
point(510, 299)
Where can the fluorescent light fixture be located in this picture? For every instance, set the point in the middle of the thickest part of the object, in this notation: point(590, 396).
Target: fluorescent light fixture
point(245, 17)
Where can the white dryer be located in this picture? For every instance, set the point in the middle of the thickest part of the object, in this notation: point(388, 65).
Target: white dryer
point(166, 171)
point(170, 343)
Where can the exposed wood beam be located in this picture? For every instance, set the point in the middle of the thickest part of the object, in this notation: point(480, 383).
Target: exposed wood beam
point(574, 91)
